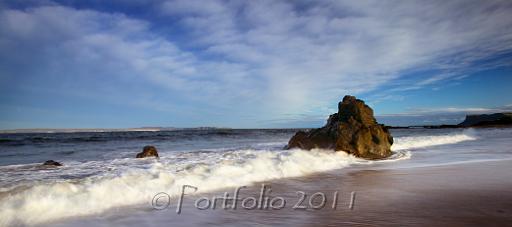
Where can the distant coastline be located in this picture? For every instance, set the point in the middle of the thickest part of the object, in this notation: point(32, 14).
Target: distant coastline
point(73, 130)
point(476, 120)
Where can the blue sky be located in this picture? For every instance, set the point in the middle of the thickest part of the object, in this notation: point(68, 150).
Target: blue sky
point(250, 64)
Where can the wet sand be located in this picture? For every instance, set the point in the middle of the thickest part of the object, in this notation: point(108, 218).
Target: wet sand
point(472, 194)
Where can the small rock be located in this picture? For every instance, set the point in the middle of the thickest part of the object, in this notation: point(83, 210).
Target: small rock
point(52, 163)
point(148, 151)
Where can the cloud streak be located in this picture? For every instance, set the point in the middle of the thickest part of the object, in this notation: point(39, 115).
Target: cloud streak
point(311, 54)
point(259, 60)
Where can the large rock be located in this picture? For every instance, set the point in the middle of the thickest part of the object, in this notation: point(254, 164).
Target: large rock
point(148, 151)
point(353, 130)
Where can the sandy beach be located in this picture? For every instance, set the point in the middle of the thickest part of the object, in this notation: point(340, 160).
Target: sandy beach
point(471, 194)
point(255, 113)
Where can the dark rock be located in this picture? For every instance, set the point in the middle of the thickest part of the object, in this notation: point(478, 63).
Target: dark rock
point(52, 163)
point(487, 120)
point(148, 151)
point(353, 130)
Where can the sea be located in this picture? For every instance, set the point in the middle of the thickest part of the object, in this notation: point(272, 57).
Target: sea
point(100, 173)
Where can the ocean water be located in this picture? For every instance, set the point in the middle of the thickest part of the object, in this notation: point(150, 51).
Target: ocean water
point(100, 172)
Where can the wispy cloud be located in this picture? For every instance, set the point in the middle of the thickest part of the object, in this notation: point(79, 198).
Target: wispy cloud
point(311, 54)
point(267, 59)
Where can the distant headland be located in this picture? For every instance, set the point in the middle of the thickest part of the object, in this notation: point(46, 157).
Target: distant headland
point(474, 120)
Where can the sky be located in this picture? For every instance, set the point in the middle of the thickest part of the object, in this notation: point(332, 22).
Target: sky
point(250, 64)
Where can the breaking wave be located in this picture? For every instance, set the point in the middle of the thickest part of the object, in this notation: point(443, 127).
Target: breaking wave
point(414, 142)
point(46, 202)
point(134, 181)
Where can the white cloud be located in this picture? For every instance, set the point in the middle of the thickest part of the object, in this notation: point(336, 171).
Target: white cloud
point(311, 56)
point(89, 45)
point(266, 58)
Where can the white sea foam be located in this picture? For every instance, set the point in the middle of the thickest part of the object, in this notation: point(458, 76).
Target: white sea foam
point(413, 142)
point(139, 180)
point(92, 195)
